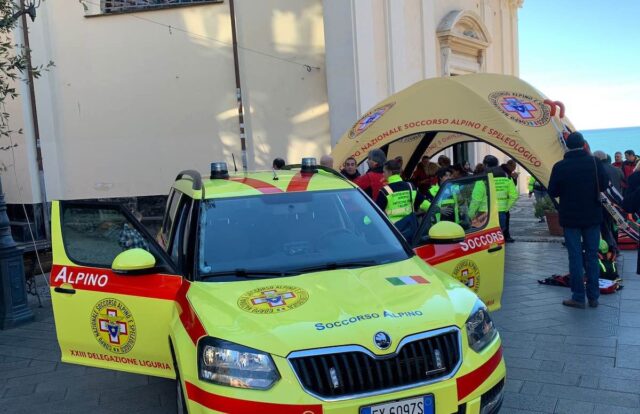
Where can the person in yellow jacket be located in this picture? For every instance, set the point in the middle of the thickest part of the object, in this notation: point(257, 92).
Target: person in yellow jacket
point(479, 206)
point(400, 200)
point(449, 205)
point(506, 192)
point(532, 181)
point(536, 189)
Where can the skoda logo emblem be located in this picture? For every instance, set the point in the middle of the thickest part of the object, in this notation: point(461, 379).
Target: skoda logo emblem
point(382, 340)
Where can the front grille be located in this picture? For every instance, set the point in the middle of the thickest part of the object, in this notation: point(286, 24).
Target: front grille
point(355, 372)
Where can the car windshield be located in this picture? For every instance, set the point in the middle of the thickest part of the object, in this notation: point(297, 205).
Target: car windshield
point(291, 233)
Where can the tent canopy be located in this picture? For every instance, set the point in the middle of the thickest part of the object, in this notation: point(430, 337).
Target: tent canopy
point(434, 114)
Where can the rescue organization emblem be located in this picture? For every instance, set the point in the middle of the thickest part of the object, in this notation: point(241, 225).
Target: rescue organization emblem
point(273, 299)
point(113, 326)
point(368, 119)
point(468, 273)
point(521, 108)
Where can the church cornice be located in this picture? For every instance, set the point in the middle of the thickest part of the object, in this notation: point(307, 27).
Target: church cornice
point(463, 32)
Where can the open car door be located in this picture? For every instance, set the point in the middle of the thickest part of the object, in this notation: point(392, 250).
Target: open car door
point(477, 259)
point(109, 314)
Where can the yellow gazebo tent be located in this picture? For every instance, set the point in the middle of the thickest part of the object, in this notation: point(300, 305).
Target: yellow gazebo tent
point(434, 114)
point(501, 110)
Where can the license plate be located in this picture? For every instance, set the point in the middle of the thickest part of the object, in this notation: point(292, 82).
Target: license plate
point(417, 405)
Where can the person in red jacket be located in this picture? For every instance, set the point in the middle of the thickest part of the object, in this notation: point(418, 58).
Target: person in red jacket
point(618, 160)
point(628, 167)
point(350, 169)
point(373, 180)
point(425, 174)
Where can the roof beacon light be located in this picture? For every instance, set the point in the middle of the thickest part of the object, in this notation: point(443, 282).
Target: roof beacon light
point(309, 165)
point(219, 170)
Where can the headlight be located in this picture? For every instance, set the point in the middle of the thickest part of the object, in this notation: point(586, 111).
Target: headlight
point(226, 363)
point(480, 329)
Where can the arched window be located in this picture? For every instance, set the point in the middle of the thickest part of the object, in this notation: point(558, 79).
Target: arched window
point(463, 43)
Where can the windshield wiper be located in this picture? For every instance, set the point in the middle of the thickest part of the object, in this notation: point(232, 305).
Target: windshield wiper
point(248, 273)
point(337, 265)
point(266, 274)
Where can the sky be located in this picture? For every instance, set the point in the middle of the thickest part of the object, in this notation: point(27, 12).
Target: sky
point(586, 54)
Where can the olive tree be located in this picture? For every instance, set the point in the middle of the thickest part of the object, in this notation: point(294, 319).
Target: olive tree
point(15, 61)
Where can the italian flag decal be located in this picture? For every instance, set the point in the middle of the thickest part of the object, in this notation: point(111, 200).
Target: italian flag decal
point(407, 280)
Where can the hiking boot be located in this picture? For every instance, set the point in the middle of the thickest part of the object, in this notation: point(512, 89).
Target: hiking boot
point(573, 303)
point(593, 303)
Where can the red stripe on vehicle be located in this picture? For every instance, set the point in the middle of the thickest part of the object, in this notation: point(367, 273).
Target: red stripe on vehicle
point(471, 381)
point(473, 243)
point(262, 186)
point(188, 315)
point(299, 182)
point(236, 406)
point(156, 286)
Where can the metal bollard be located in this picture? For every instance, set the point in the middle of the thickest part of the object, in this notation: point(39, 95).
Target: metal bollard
point(14, 307)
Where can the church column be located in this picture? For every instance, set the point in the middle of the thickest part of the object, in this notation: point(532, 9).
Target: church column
point(430, 45)
point(515, 5)
point(446, 56)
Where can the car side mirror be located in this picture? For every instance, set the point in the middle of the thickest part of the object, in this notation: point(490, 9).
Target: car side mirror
point(133, 261)
point(446, 232)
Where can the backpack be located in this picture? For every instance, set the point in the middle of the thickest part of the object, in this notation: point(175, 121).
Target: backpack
point(607, 264)
point(606, 286)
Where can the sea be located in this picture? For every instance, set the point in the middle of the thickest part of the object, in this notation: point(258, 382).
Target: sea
point(613, 139)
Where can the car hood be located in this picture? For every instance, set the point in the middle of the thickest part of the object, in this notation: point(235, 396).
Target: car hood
point(331, 308)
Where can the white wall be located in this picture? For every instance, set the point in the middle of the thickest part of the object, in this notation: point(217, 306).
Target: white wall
point(341, 64)
point(131, 102)
point(288, 114)
point(379, 47)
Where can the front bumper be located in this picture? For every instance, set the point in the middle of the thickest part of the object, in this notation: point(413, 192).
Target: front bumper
point(479, 375)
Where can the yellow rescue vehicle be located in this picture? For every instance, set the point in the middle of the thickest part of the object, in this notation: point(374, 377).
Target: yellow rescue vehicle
point(286, 292)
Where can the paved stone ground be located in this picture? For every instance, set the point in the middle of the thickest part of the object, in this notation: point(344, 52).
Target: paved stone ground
point(525, 227)
point(559, 360)
point(564, 360)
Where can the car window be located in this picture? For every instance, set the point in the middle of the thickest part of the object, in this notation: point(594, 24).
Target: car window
point(288, 231)
point(465, 202)
point(179, 230)
point(95, 236)
point(170, 213)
